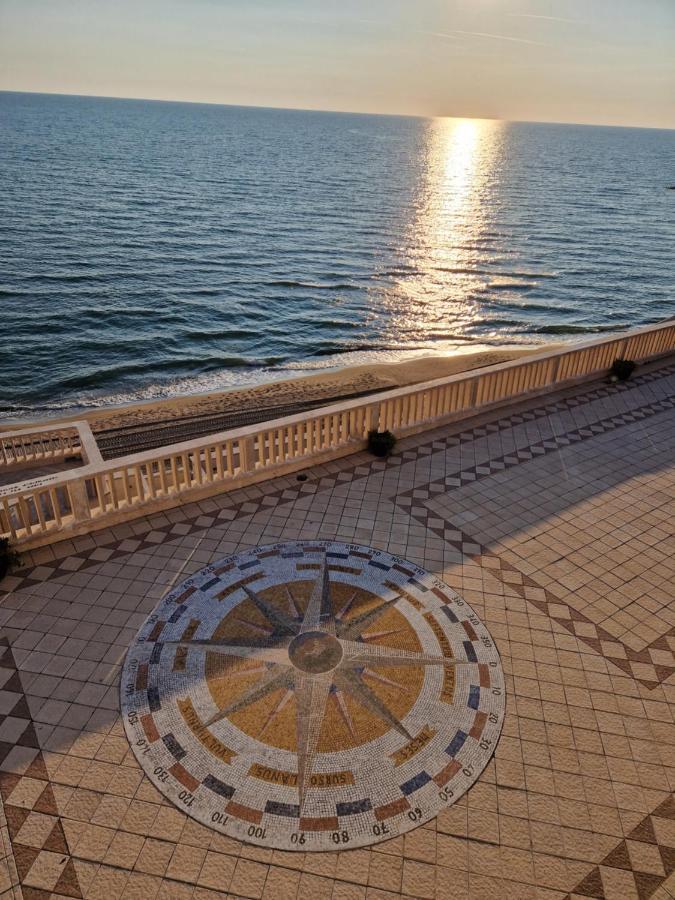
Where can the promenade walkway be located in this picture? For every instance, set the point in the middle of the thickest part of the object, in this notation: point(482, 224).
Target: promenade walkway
point(554, 520)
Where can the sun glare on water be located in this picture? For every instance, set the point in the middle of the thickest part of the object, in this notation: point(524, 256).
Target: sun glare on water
point(452, 216)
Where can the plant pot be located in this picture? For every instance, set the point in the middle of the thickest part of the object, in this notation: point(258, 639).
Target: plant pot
point(381, 443)
point(8, 557)
point(621, 370)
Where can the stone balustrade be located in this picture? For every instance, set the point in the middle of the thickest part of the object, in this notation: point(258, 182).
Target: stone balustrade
point(98, 494)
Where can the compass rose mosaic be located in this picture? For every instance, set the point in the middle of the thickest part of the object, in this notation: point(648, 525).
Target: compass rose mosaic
point(313, 696)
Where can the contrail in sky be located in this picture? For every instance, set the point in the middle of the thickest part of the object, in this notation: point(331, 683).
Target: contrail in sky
point(454, 33)
point(484, 34)
point(546, 18)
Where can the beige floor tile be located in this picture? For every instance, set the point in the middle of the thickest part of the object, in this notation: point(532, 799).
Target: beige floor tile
point(281, 884)
point(217, 870)
point(248, 878)
point(154, 857)
point(342, 891)
point(419, 879)
point(385, 872)
point(353, 865)
point(315, 886)
point(141, 887)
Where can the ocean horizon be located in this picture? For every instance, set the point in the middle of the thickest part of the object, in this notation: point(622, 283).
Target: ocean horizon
point(331, 112)
point(159, 248)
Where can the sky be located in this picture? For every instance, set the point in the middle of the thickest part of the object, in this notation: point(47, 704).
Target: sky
point(589, 61)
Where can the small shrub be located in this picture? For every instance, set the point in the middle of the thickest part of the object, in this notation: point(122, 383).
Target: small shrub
point(621, 369)
point(381, 443)
point(9, 558)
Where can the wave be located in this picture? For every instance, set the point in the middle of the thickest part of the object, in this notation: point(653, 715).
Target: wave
point(490, 273)
point(576, 329)
point(536, 275)
point(506, 286)
point(72, 277)
point(196, 365)
point(527, 306)
point(225, 334)
point(484, 323)
point(397, 273)
point(313, 285)
point(334, 350)
point(206, 292)
point(131, 312)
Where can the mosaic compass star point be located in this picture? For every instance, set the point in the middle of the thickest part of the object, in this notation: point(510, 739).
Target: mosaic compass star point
point(313, 695)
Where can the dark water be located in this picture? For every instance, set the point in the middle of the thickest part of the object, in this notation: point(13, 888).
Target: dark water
point(149, 249)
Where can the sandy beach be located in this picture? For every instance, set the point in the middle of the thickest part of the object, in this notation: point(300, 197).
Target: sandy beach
point(330, 385)
point(143, 425)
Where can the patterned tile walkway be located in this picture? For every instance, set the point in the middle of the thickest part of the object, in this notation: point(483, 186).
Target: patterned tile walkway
point(555, 521)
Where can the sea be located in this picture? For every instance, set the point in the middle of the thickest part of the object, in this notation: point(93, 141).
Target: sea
point(154, 249)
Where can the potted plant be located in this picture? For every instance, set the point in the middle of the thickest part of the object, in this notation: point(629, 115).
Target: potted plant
point(621, 370)
point(381, 443)
point(8, 557)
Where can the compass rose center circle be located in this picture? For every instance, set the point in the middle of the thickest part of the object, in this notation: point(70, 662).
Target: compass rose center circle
point(315, 652)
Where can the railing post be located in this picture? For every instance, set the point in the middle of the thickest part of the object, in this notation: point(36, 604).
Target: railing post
point(553, 372)
point(373, 419)
point(88, 447)
point(246, 457)
point(474, 393)
point(79, 501)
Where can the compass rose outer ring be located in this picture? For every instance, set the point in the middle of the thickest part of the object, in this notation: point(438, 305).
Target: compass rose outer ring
point(243, 786)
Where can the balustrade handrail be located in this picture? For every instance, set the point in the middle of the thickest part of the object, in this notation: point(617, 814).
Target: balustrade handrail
point(114, 489)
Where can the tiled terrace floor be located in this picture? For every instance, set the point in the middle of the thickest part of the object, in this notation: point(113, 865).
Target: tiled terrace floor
point(555, 521)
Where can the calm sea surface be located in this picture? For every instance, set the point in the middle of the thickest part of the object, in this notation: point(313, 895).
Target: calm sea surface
point(152, 249)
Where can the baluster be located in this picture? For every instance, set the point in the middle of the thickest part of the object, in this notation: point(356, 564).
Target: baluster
point(140, 487)
point(100, 493)
point(162, 476)
point(109, 485)
point(229, 458)
point(11, 530)
point(25, 515)
point(174, 473)
point(53, 496)
point(37, 502)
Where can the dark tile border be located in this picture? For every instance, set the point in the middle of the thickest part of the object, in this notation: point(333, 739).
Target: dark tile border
point(645, 882)
point(18, 717)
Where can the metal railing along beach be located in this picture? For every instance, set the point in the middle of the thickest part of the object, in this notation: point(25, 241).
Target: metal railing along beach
point(97, 493)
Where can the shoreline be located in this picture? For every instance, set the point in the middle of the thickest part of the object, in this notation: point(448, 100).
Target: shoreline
point(327, 386)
